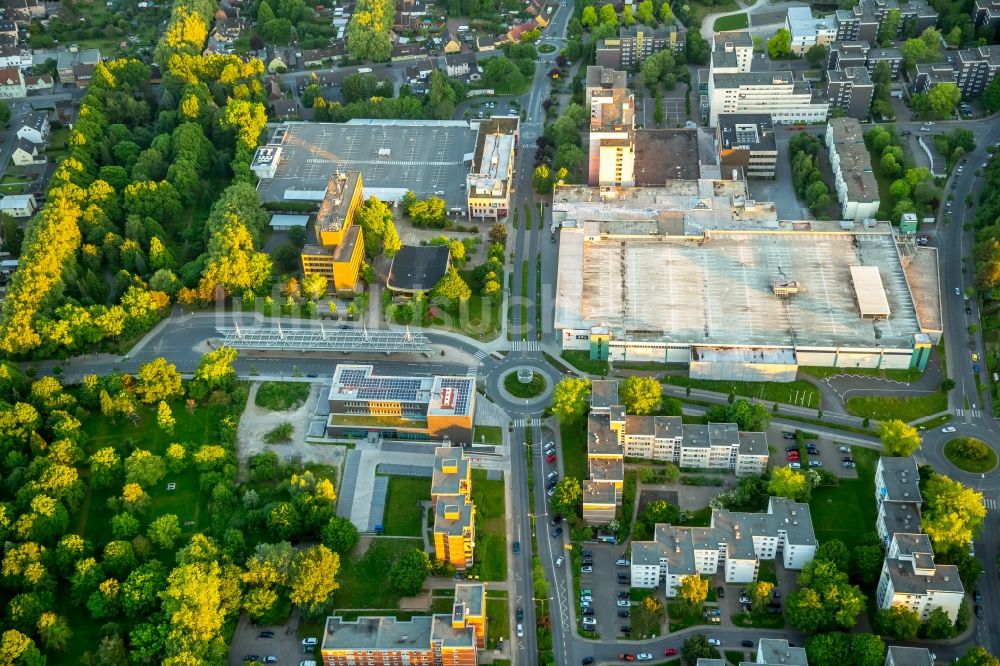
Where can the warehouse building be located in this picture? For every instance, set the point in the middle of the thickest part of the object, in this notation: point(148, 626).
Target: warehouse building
point(720, 284)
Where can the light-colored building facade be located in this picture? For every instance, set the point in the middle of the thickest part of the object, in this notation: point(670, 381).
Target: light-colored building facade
point(806, 31)
point(636, 43)
point(425, 640)
point(746, 145)
point(854, 179)
point(735, 541)
point(19, 205)
point(611, 157)
point(776, 93)
point(489, 183)
point(12, 83)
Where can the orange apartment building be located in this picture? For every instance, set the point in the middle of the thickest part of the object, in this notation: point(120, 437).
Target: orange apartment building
point(339, 247)
point(426, 640)
point(454, 512)
point(397, 407)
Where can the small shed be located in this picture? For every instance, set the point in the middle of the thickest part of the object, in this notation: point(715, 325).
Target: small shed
point(285, 222)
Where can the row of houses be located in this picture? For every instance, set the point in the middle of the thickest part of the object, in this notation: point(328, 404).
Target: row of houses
point(778, 652)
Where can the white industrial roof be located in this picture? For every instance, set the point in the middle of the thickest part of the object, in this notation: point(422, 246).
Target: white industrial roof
point(869, 291)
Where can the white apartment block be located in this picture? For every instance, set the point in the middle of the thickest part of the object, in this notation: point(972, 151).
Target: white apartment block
point(735, 541)
point(910, 576)
point(738, 46)
point(776, 93)
point(854, 180)
point(806, 31)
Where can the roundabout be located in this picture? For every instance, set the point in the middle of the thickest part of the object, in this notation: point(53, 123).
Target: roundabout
point(970, 454)
point(525, 383)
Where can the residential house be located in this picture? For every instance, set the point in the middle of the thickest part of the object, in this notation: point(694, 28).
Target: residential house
point(462, 64)
point(850, 89)
point(67, 60)
point(27, 153)
point(735, 540)
point(409, 51)
point(933, 74)
point(83, 74)
point(898, 655)
point(35, 127)
point(847, 54)
point(19, 205)
point(25, 10)
point(316, 57)
point(14, 56)
point(40, 82)
point(8, 28)
point(636, 43)
point(11, 83)
point(806, 31)
point(854, 180)
point(450, 43)
point(536, 7)
point(420, 70)
point(976, 67)
point(408, 15)
point(285, 109)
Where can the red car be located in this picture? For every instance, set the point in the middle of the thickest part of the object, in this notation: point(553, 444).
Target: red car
point(625, 656)
point(792, 455)
point(669, 652)
point(550, 459)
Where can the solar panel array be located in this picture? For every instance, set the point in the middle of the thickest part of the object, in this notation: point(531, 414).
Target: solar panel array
point(461, 388)
point(380, 388)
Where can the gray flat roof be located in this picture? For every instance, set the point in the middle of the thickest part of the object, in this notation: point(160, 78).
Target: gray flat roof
point(717, 289)
point(603, 393)
point(777, 651)
point(909, 656)
point(900, 479)
point(906, 581)
point(425, 156)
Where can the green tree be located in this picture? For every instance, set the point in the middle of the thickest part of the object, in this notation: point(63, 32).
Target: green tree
point(164, 531)
point(938, 625)
point(140, 591)
point(825, 600)
point(215, 370)
point(666, 14)
point(264, 13)
point(954, 513)
point(898, 438)
point(541, 179)
point(567, 497)
point(589, 17)
point(4, 114)
point(314, 579)
point(158, 380)
point(314, 286)
point(451, 288)
point(816, 55)
point(105, 467)
point(339, 535)
point(866, 563)
point(144, 468)
point(977, 656)
point(54, 631)
point(889, 27)
point(697, 647)
point(644, 12)
point(780, 45)
point(790, 483)
point(607, 14)
point(378, 228)
point(693, 590)
point(165, 418)
point(991, 96)
point(898, 621)
point(659, 512)
point(939, 102)
point(571, 398)
point(640, 395)
point(834, 551)
point(409, 572)
point(867, 650)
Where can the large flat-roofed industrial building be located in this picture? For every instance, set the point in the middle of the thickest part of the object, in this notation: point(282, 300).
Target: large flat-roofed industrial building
point(735, 298)
point(428, 157)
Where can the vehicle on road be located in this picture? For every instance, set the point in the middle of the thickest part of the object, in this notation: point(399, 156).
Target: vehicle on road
point(844, 449)
point(977, 597)
point(519, 614)
point(979, 611)
point(622, 562)
point(625, 656)
point(714, 641)
point(586, 661)
point(269, 659)
point(669, 652)
point(252, 657)
point(556, 533)
point(517, 547)
point(520, 630)
point(644, 656)
point(266, 634)
point(622, 603)
point(948, 429)
point(975, 357)
point(560, 560)
point(746, 644)
point(958, 292)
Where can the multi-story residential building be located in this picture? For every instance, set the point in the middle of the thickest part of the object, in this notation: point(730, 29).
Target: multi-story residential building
point(898, 655)
point(612, 135)
point(774, 93)
point(860, 23)
point(462, 64)
point(12, 83)
point(436, 407)
point(746, 145)
point(850, 89)
point(863, 20)
point(67, 60)
point(733, 540)
point(847, 54)
point(910, 577)
point(489, 183)
point(854, 180)
point(933, 74)
point(740, 45)
point(602, 492)
point(896, 517)
point(601, 80)
point(424, 640)
point(986, 13)
point(891, 55)
point(455, 531)
point(339, 246)
point(19, 205)
point(976, 67)
point(897, 480)
point(635, 43)
point(806, 31)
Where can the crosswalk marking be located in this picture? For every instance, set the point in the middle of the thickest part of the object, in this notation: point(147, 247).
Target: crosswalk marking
point(527, 423)
point(990, 503)
point(524, 345)
point(480, 355)
point(472, 371)
point(974, 413)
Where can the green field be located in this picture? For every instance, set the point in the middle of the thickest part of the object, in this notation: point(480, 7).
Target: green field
point(574, 449)
point(700, 11)
point(985, 462)
point(497, 620)
point(896, 375)
point(491, 527)
point(581, 361)
point(733, 22)
point(798, 392)
point(404, 513)
point(364, 581)
point(488, 435)
point(478, 317)
point(847, 511)
point(885, 407)
point(281, 396)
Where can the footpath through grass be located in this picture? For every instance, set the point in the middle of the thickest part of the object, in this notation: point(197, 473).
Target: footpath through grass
point(799, 392)
point(281, 396)
point(847, 511)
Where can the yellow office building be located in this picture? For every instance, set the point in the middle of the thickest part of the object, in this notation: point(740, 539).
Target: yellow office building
point(340, 247)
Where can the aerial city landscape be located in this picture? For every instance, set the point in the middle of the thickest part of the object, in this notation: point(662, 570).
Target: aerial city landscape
point(531, 332)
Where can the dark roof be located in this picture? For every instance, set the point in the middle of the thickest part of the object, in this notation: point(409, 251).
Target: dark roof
point(418, 267)
point(666, 154)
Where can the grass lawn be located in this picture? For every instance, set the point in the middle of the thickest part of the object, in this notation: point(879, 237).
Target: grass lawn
point(581, 361)
point(364, 581)
point(574, 449)
point(700, 11)
point(847, 511)
point(897, 375)
point(764, 621)
point(497, 621)
point(883, 407)
point(682, 615)
point(734, 22)
point(404, 511)
point(491, 512)
point(529, 390)
point(12, 188)
point(488, 435)
point(646, 624)
point(798, 392)
point(970, 454)
point(58, 138)
point(766, 574)
point(734, 657)
point(936, 421)
point(478, 317)
point(281, 396)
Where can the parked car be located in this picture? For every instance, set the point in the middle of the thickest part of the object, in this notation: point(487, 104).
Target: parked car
point(586, 590)
point(746, 644)
point(979, 611)
point(714, 641)
point(624, 614)
point(815, 463)
point(269, 659)
point(587, 561)
point(520, 630)
point(623, 595)
point(310, 641)
point(625, 656)
point(587, 569)
point(587, 553)
point(795, 465)
point(644, 656)
point(977, 597)
point(622, 562)
point(844, 449)
point(550, 459)
point(557, 532)
point(720, 592)
point(586, 597)
point(556, 519)
point(252, 657)
point(787, 435)
point(586, 661)
point(588, 612)
point(622, 603)
point(266, 634)
point(626, 629)
point(589, 623)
